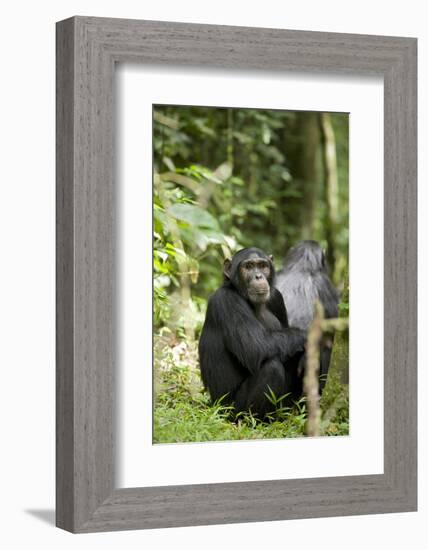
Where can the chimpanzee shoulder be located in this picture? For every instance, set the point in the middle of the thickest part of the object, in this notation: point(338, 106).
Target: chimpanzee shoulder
point(225, 301)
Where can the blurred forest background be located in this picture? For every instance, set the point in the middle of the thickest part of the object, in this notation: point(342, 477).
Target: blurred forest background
point(227, 178)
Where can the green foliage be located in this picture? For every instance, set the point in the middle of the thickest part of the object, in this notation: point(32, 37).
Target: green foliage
point(343, 309)
point(228, 178)
point(225, 179)
point(193, 215)
point(335, 406)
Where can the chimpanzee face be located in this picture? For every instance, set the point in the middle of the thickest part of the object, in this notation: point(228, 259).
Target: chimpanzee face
point(251, 273)
point(254, 276)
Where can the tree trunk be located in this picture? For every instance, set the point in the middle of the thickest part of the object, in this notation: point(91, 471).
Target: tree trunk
point(303, 156)
point(339, 364)
point(331, 186)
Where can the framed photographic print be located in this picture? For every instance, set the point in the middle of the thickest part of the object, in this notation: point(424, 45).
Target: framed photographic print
point(236, 274)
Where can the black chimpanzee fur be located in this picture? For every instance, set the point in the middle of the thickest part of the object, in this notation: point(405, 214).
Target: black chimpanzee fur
point(246, 345)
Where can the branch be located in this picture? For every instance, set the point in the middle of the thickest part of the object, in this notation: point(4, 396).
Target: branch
point(310, 381)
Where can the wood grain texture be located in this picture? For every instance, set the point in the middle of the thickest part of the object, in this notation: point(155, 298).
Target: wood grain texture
point(87, 49)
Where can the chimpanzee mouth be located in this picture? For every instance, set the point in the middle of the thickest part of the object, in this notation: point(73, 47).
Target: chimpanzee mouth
point(261, 293)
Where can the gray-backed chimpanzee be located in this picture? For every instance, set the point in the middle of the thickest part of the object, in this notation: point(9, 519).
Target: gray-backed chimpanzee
point(302, 281)
point(246, 343)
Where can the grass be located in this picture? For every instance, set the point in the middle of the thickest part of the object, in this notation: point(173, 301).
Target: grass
point(183, 412)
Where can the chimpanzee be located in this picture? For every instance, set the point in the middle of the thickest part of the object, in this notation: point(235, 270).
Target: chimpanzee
point(302, 281)
point(246, 342)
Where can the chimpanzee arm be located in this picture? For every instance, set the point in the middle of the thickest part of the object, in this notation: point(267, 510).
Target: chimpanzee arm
point(290, 341)
point(290, 338)
point(245, 337)
point(328, 295)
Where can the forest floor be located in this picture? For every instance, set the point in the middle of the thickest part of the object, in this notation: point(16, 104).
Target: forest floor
point(183, 412)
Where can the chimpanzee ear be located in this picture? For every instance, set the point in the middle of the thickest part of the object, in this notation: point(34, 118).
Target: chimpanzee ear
point(226, 267)
point(270, 257)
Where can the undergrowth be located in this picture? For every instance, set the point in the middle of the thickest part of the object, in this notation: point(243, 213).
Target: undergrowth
point(183, 412)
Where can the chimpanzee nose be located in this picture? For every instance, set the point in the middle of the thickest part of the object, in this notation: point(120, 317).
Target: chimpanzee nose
point(258, 276)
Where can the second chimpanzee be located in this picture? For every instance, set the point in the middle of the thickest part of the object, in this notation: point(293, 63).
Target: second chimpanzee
point(302, 281)
point(246, 342)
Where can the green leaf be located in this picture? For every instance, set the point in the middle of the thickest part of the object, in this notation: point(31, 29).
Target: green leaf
point(214, 237)
point(193, 215)
point(223, 172)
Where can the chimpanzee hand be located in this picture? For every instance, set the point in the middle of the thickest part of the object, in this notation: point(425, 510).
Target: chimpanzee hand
point(293, 340)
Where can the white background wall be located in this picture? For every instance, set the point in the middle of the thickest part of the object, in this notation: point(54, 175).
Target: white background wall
point(27, 272)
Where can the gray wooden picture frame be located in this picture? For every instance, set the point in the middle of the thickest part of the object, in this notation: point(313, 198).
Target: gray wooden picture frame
point(87, 50)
